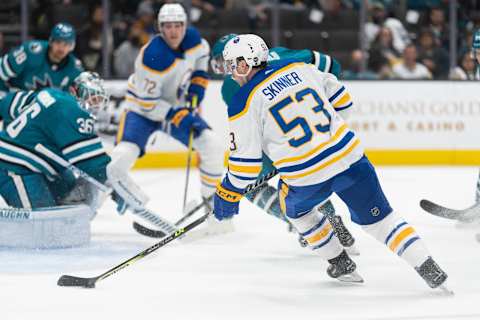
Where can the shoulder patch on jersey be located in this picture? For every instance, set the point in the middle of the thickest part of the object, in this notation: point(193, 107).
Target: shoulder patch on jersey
point(191, 40)
point(35, 46)
point(157, 55)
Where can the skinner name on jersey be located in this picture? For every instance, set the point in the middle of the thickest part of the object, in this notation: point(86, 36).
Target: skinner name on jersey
point(280, 83)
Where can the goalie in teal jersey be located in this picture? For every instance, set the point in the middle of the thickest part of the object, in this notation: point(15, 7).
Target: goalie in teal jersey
point(267, 197)
point(38, 64)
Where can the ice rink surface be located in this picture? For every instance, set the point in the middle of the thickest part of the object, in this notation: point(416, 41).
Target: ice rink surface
point(257, 272)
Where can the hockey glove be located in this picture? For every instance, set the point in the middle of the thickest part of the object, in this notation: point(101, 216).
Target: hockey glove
point(184, 119)
point(198, 84)
point(225, 203)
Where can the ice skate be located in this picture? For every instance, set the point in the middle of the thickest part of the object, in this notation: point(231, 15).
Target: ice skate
point(433, 275)
point(343, 268)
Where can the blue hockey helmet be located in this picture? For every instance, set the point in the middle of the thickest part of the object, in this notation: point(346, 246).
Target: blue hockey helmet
point(216, 60)
point(63, 32)
point(90, 92)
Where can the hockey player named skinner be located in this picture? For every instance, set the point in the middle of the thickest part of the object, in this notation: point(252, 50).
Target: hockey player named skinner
point(295, 124)
point(38, 64)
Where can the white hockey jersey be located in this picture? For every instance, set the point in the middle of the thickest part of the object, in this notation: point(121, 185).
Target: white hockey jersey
point(290, 112)
point(163, 75)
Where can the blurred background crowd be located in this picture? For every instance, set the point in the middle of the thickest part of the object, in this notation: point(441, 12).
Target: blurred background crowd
point(372, 39)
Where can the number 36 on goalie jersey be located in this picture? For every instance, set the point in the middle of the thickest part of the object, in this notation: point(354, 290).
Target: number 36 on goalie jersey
point(290, 112)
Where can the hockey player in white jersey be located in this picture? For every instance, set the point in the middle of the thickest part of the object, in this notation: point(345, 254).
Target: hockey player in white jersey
point(288, 112)
point(169, 72)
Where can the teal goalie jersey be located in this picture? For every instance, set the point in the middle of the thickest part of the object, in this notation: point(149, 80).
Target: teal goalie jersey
point(28, 67)
point(54, 119)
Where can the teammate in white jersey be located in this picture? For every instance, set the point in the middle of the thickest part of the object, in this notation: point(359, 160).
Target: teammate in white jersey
point(287, 111)
point(169, 72)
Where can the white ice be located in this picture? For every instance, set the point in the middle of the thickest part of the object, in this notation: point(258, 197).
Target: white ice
point(258, 272)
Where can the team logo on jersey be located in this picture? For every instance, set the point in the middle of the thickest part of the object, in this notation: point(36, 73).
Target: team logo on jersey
point(38, 83)
point(375, 211)
point(35, 47)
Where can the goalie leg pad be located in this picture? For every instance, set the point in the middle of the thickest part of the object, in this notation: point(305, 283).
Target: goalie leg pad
point(400, 237)
point(45, 228)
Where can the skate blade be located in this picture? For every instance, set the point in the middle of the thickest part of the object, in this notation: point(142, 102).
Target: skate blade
point(352, 251)
point(353, 277)
point(445, 290)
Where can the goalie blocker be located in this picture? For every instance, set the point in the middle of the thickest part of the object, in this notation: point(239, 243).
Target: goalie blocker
point(45, 228)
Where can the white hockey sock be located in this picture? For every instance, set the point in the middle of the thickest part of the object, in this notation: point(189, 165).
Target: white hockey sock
point(318, 232)
point(400, 237)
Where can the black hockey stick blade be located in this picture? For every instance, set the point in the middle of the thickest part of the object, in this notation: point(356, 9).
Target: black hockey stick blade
point(468, 214)
point(71, 281)
point(147, 231)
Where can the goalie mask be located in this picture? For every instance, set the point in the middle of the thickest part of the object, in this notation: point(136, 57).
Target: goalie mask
point(89, 90)
point(248, 47)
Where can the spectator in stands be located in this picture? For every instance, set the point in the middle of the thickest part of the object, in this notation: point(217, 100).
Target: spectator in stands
point(212, 6)
point(382, 47)
point(355, 72)
point(126, 53)
point(379, 19)
point(145, 20)
point(409, 68)
point(439, 26)
point(466, 68)
point(434, 57)
point(91, 41)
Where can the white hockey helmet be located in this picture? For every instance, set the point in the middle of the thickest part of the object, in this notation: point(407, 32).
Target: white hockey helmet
point(171, 12)
point(248, 47)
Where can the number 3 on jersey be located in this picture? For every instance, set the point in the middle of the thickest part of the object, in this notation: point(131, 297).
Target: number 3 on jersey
point(287, 126)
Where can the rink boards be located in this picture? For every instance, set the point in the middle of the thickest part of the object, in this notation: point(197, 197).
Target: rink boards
point(399, 123)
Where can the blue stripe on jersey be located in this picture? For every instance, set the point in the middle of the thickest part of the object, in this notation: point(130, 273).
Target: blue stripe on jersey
point(393, 231)
point(242, 178)
point(336, 94)
point(143, 98)
point(245, 159)
point(322, 155)
point(343, 108)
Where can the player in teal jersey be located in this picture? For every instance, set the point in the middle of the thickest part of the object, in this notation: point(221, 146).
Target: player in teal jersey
point(63, 124)
point(38, 64)
point(267, 197)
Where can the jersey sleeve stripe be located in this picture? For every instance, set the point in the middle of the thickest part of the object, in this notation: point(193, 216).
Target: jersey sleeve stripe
point(316, 59)
point(8, 69)
point(14, 103)
point(345, 107)
point(3, 76)
point(87, 155)
point(81, 144)
point(336, 94)
point(328, 64)
point(25, 154)
point(147, 105)
point(244, 169)
point(342, 101)
point(340, 132)
point(245, 159)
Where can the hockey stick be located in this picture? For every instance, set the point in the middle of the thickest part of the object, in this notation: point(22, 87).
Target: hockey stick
point(163, 224)
point(466, 215)
point(159, 234)
point(72, 281)
point(189, 155)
